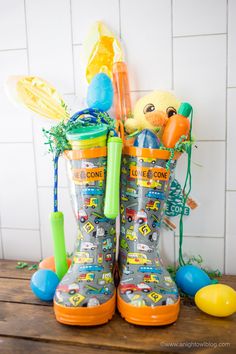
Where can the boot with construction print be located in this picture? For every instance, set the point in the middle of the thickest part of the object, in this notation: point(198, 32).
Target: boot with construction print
point(86, 294)
point(146, 294)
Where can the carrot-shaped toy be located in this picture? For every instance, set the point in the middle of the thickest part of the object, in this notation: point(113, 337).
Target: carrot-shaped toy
point(177, 126)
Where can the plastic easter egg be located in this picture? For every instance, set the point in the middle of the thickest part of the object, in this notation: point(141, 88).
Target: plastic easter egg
point(100, 92)
point(49, 263)
point(216, 300)
point(44, 283)
point(147, 139)
point(190, 279)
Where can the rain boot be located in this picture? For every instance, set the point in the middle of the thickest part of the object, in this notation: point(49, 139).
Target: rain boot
point(146, 294)
point(86, 294)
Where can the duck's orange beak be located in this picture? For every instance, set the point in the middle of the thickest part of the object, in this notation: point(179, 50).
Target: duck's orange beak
point(157, 118)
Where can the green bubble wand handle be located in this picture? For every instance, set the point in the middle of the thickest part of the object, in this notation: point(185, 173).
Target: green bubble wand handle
point(112, 196)
point(57, 229)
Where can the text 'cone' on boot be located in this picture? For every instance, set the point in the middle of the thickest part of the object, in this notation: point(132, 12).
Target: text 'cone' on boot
point(146, 295)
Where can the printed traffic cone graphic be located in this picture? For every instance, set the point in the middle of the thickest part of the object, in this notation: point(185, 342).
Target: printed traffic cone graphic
point(146, 294)
point(86, 294)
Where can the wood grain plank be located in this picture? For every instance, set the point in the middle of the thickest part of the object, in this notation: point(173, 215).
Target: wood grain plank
point(8, 270)
point(38, 323)
point(9, 345)
point(18, 290)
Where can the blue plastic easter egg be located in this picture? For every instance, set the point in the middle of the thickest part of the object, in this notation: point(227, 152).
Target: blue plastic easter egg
point(44, 283)
point(147, 139)
point(190, 279)
point(100, 92)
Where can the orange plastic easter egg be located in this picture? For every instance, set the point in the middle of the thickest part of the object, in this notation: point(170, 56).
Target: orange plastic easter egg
point(49, 263)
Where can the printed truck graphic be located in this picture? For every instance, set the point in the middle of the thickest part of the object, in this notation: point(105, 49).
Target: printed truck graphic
point(90, 268)
point(124, 244)
point(156, 221)
point(82, 257)
point(152, 205)
point(151, 278)
point(69, 289)
point(131, 234)
point(107, 245)
point(86, 277)
point(100, 232)
point(92, 191)
point(138, 258)
point(131, 192)
point(130, 288)
point(106, 279)
point(155, 194)
point(149, 183)
point(153, 237)
point(124, 198)
point(94, 291)
point(143, 247)
point(99, 218)
point(146, 269)
point(91, 202)
point(108, 257)
point(82, 215)
point(85, 246)
point(148, 159)
point(134, 215)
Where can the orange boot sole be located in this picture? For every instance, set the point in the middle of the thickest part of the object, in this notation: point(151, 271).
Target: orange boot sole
point(147, 315)
point(86, 316)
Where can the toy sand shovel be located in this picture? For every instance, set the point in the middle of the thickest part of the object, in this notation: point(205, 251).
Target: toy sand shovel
point(41, 97)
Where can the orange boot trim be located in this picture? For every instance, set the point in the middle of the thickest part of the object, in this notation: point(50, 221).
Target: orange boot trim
point(86, 316)
point(147, 315)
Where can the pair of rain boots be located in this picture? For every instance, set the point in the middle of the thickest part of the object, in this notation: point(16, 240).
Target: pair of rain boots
point(146, 294)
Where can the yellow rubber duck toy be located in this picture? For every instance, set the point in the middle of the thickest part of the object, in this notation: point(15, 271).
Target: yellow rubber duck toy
point(152, 112)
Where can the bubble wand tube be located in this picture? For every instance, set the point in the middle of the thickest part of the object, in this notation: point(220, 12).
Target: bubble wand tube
point(112, 196)
point(121, 91)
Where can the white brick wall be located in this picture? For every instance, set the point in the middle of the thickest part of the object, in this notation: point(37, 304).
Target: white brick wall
point(185, 45)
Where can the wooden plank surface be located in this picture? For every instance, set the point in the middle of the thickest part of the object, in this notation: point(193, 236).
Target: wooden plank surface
point(26, 323)
point(9, 345)
point(38, 322)
point(18, 290)
point(8, 270)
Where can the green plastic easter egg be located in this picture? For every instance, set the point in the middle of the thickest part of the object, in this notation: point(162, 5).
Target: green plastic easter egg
point(216, 300)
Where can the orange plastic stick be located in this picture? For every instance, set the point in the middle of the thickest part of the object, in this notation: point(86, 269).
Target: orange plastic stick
point(121, 91)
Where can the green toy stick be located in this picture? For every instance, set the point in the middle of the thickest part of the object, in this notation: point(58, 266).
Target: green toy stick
point(57, 230)
point(114, 150)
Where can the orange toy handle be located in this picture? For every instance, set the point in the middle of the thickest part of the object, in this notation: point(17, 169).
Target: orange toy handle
point(120, 130)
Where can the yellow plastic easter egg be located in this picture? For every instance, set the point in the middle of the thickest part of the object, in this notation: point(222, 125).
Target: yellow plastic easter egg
point(216, 300)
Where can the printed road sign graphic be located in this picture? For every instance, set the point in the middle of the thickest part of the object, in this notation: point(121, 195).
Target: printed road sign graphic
point(155, 297)
point(88, 227)
point(144, 229)
point(76, 299)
